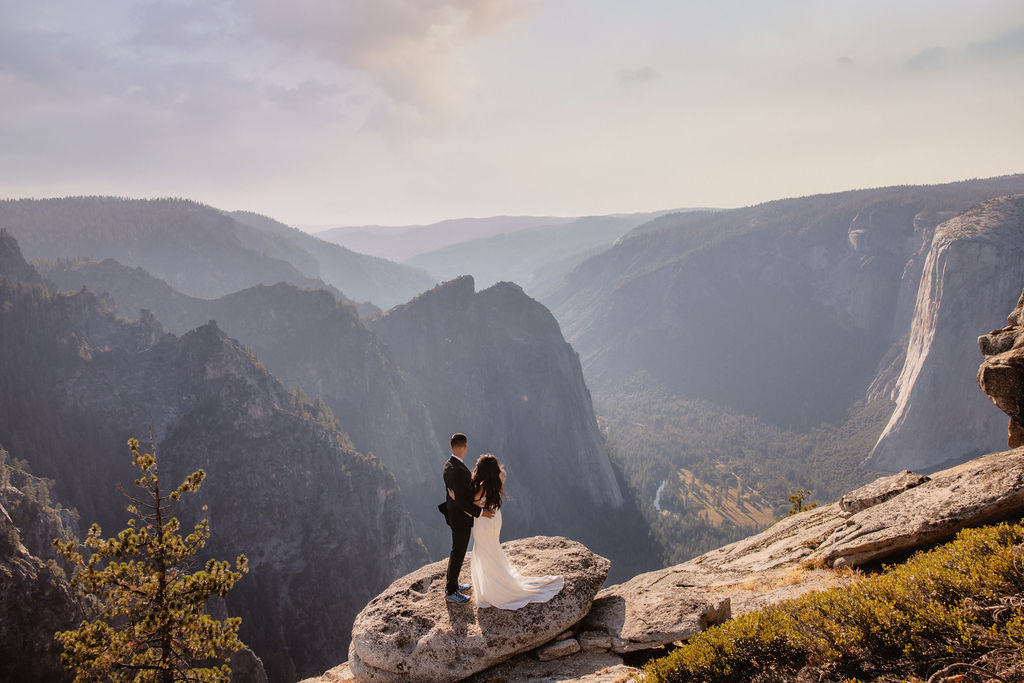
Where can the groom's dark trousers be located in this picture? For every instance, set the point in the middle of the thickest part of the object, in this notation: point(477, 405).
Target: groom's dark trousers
point(457, 478)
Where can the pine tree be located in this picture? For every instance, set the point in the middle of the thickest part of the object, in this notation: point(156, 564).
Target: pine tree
point(150, 622)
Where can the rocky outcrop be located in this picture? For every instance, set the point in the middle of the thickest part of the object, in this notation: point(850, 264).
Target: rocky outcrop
point(889, 518)
point(880, 491)
point(985, 490)
point(12, 263)
point(585, 667)
point(649, 611)
point(1001, 375)
point(35, 600)
point(806, 552)
point(958, 296)
point(410, 632)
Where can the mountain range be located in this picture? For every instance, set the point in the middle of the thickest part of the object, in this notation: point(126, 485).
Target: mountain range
point(200, 250)
point(680, 374)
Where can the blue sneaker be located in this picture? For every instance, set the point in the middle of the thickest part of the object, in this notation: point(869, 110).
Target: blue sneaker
point(457, 597)
point(465, 588)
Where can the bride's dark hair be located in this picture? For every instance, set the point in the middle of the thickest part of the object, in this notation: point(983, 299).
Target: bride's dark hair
point(487, 478)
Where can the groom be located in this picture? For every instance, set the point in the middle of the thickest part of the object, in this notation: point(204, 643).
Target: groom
point(459, 511)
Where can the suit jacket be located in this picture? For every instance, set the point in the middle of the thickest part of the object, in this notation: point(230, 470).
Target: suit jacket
point(459, 479)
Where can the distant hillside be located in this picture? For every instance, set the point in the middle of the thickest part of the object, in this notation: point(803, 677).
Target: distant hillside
point(783, 310)
point(359, 276)
point(400, 243)
point(196, 249)
point(199, 250)
point(324, 527)
point(527, 257)
point(134, 289)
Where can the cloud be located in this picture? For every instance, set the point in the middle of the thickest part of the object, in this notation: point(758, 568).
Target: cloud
point(1008, 44)
point(406, 49)
point(929, 59)
point(639, 76)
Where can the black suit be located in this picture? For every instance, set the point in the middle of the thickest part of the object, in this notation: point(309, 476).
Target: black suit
point(458, 479)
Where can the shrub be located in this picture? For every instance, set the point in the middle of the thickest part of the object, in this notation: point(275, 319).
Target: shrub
point(949, 605)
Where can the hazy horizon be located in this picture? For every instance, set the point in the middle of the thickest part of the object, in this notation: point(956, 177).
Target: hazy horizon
point(326, 113)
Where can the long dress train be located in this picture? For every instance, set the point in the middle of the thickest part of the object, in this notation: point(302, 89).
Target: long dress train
point(496, 583)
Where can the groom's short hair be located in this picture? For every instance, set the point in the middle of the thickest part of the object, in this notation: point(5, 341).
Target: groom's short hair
point(459, 439)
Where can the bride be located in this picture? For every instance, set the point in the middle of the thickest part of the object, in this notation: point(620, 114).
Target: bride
point(496, 583)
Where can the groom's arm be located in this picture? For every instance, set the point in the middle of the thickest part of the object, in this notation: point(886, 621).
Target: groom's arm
point(463, 493)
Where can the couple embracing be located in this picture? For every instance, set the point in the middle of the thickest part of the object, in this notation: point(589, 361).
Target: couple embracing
point(473, 507)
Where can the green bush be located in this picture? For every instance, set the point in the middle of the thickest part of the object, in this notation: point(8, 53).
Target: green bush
point(951, 604)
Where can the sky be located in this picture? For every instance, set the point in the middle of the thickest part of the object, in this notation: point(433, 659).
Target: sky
point(393, 112)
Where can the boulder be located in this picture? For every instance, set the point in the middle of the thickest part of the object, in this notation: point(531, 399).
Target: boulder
point(649, 611)
point(339, 674)
point(410, 632)
point(1001, 375)
point(582, 667)
point(880, 491)
point(982, 491)
point(558, 648)
point(595, 641)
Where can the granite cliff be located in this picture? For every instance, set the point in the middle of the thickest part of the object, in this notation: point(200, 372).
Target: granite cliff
point(493, 364)
point(939, 414)
point(787, 310)
point(35, 600)
point(324, 526)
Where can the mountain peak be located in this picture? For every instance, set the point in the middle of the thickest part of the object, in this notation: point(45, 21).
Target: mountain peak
point(12, 264)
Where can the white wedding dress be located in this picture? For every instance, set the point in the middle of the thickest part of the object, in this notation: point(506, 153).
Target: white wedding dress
point(496, 583)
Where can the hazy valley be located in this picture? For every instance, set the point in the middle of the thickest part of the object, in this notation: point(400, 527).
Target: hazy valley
point(709, 362)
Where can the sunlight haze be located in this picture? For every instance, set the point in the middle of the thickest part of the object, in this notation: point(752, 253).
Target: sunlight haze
point(320, 112)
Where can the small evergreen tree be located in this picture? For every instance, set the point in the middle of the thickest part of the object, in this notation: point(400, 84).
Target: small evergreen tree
point(150, 623)
point(796, 502)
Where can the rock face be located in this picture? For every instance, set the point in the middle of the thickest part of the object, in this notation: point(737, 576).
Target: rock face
point(750, 308)
point(411, 633)
point(493, 364)
point(958, 296)
point(324, 527)
point(648, 612)
point(12, 263)
point(880, 491)
point(1001, 375)
point(35, 600)
point(309, 338)
point(985, 490)
point(584, 667)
